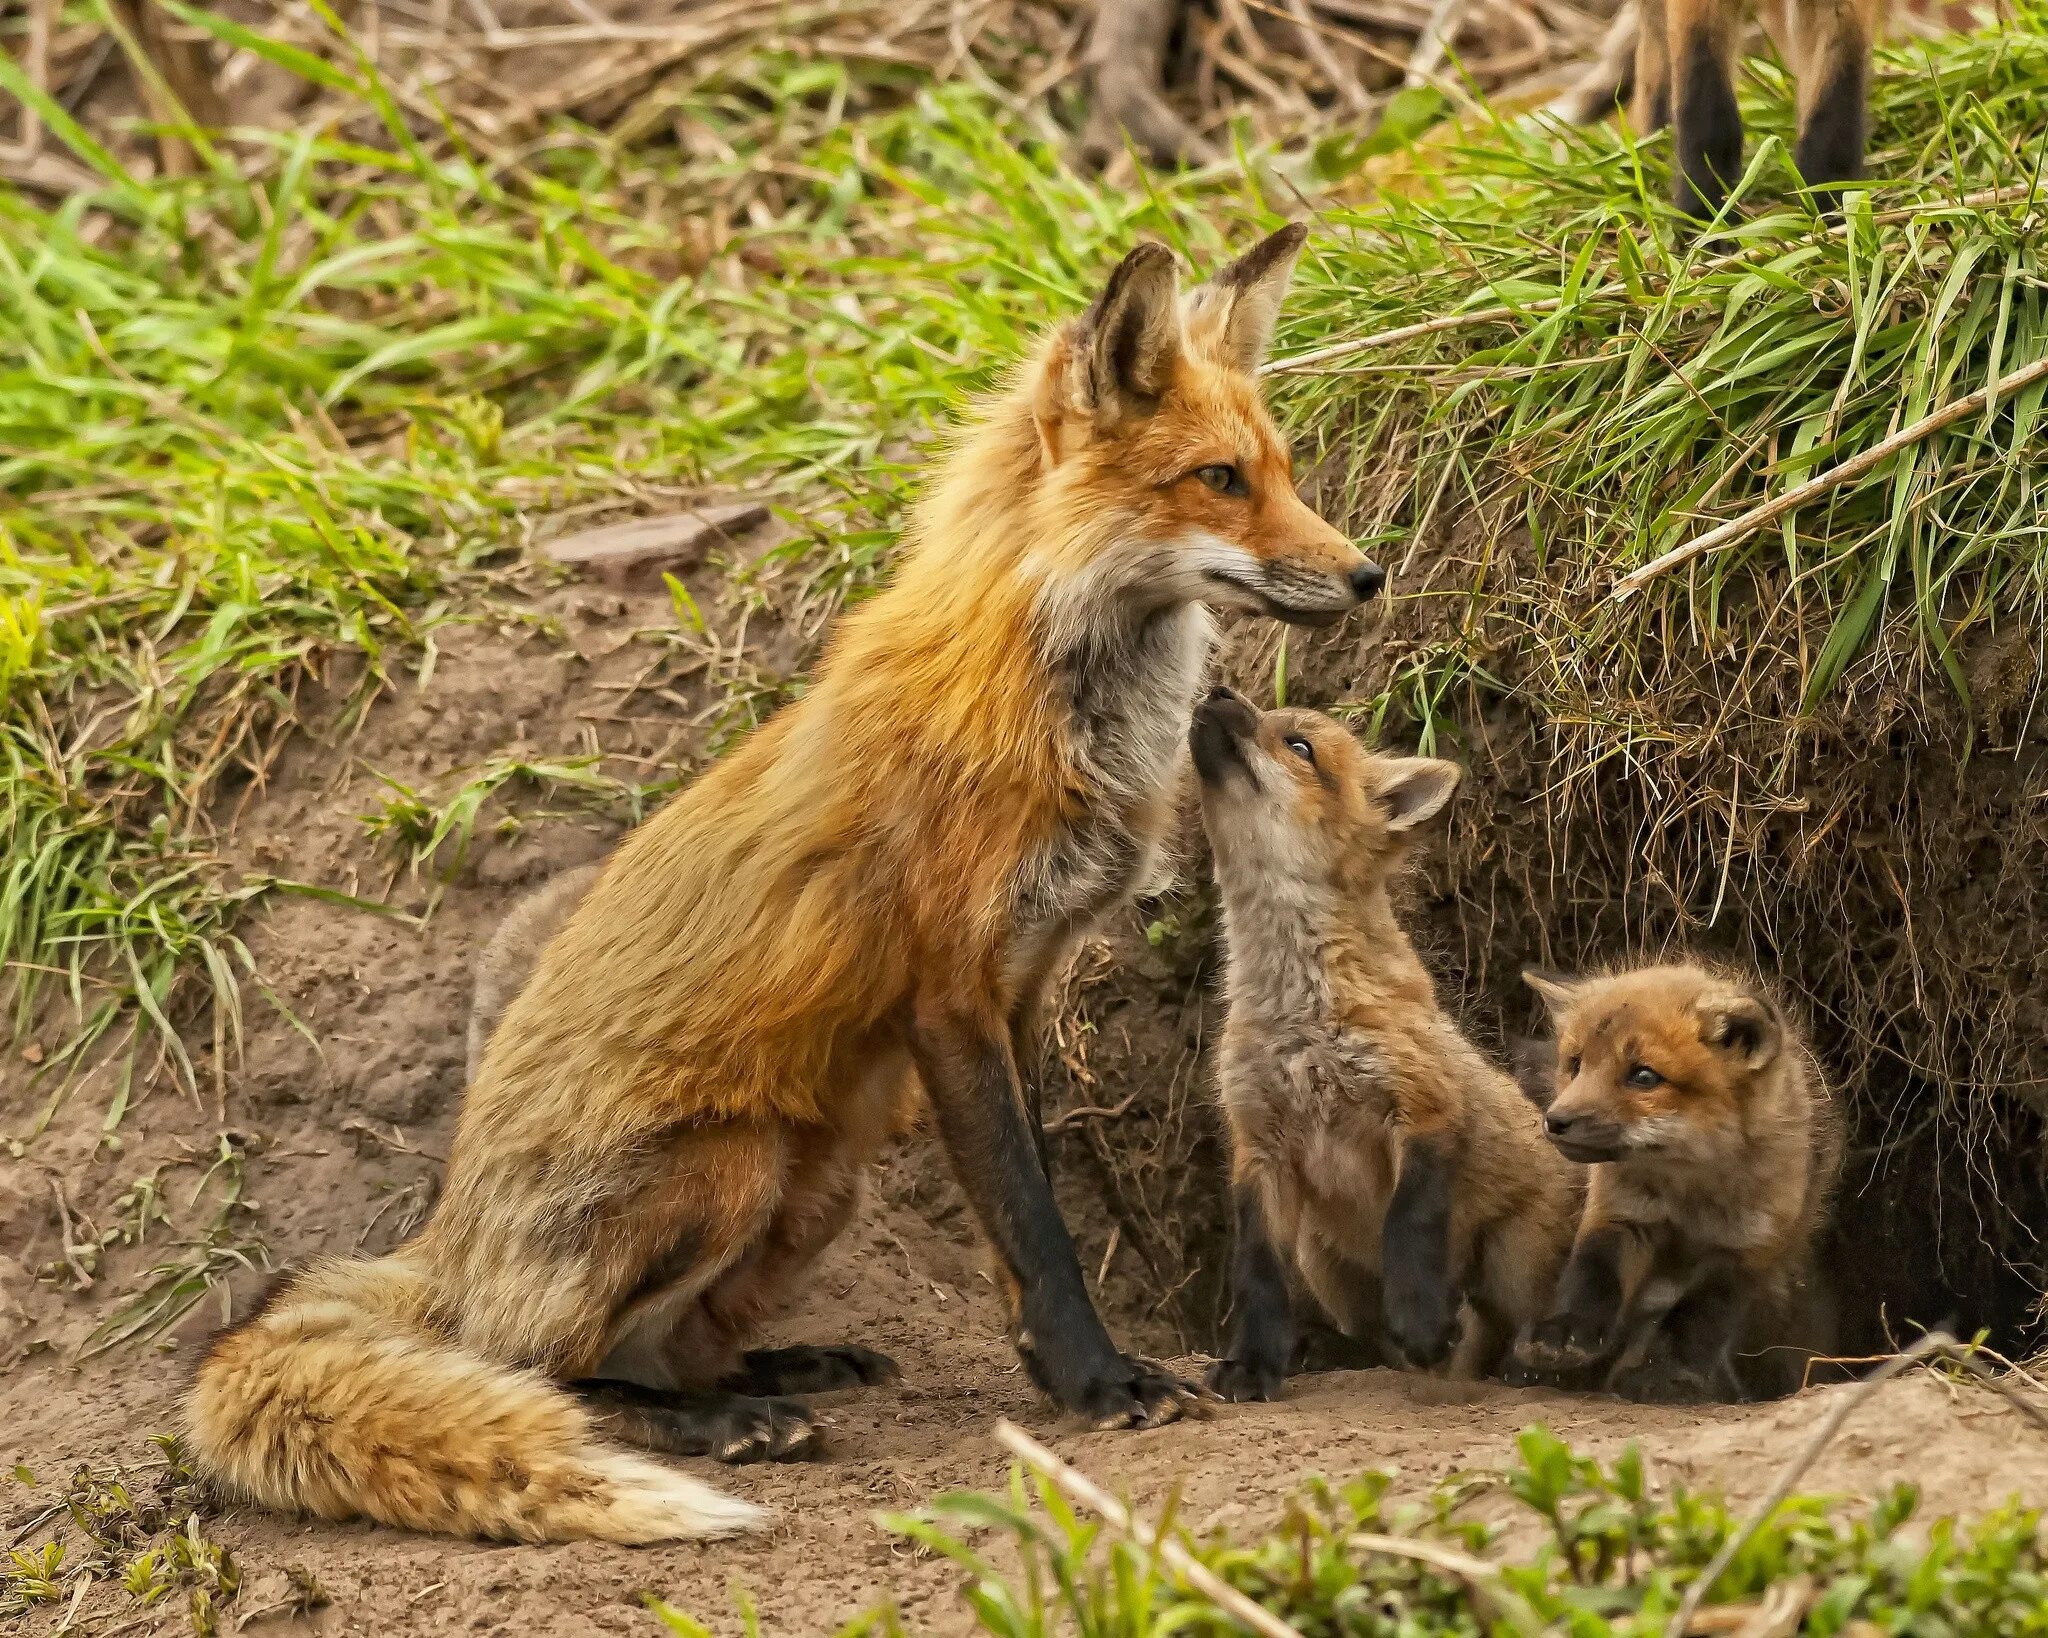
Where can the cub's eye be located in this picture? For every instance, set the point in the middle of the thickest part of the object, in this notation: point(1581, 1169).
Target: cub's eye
point(1224, 479)
point(1571, 1069)
point(1643, 1075)
point(1301, 748)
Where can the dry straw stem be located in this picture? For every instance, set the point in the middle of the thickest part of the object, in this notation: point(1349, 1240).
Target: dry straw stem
point(1934, 1345)
point(1482, 1580)
point(1301, 363)
point(1078, 1488)
point(1757, 516)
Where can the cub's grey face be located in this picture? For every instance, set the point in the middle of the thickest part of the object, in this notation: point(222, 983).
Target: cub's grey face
point(1292, 794)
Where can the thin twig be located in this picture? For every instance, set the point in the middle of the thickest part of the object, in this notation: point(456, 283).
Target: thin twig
point(1930, 1345)
point(1445, 19)
point(1342, 80)
point(1078, 1488)
point(1757, 516)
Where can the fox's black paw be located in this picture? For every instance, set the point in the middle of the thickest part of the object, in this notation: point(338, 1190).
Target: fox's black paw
point(763, 1430)
point(1141, 1395)
point(1557, 1351)
point(806, 1369)
point(1421, 1320)
point(1659, 1380)
point(1243, 1381)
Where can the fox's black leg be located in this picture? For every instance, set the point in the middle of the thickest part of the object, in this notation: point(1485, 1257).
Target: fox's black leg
point(1576, 1337)
point(1834, 97)
point(1254, 1362)
point(1420, 1300)
point(732, 1427)
point(1708, 124)
point(1691, 1356)
point(970, 1075)
point(803, 1369)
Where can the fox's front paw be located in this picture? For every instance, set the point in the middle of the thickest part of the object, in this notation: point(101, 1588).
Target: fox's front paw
point(1139, 1395)
point(1663, 1380)
point(1247, 1380)
point(1557, 1351)
point(1421, 1319)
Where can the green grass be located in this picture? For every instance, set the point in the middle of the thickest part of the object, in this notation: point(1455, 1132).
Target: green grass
point(295, 407)
point(1564, 1544)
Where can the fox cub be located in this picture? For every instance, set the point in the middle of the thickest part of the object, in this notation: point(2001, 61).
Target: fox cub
point(1685, 53)
point(1373, 1147)
point(1713, 1144)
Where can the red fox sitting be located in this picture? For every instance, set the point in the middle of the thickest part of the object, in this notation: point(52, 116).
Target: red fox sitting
point(1714, 1144)
point(673, 1117)
point(1374, 1150)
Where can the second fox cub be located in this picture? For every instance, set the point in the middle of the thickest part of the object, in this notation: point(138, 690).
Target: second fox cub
point(1714, 1145)
point(1685, 55)
point(1373, 1147)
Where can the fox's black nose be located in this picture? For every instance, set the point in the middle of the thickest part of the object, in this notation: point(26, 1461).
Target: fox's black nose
point(1558, 1125)
point(1223, 691)
point(1366, 580)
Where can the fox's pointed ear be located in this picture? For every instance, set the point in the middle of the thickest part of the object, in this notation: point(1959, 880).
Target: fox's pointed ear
point(1557, 991)
point(1234, 313)
point(1744, 1026)
point(1415, 788)
point(1120, 354)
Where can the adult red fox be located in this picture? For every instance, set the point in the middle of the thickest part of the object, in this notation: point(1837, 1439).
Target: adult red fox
point(1713, 1144)
point(672, 1119)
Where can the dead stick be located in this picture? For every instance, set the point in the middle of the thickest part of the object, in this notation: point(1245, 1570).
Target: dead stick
point(1934, 1342)
point(1550, 304)
point(1755, 518)
point(1077, 1487)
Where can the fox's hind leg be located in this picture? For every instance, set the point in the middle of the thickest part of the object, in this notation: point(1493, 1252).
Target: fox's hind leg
point(1708, 136)
point(1832, 59)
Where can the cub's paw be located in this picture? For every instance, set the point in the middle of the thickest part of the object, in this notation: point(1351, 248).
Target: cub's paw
point(1558, 1351)
point(1662, 1380)
point(1246, 1381)
point(1421, 1320)
point(1142, 1394)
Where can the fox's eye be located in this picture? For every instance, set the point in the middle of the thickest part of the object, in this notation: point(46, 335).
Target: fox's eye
point(1643, 1075)
point(1225, 480)
point(1301, 748)
point(1571, 1069)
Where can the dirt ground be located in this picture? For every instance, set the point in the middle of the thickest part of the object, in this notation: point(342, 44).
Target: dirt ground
point(342, 1132)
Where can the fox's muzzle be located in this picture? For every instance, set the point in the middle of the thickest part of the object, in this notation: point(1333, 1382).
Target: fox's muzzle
point(1586, 1139)
point(1224, 724)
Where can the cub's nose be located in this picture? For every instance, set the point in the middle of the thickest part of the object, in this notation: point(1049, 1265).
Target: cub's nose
point(1366, 580)
point(1222, 692)
point(1559, 1125)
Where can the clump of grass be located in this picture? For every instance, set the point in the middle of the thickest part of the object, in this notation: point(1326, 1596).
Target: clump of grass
point(1563, 1543)
point(104, 1530)
point(421, 827)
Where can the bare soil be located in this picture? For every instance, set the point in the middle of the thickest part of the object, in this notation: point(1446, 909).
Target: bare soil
point(342, 1132)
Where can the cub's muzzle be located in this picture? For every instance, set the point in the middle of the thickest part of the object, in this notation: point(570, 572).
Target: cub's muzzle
point(1224, 724)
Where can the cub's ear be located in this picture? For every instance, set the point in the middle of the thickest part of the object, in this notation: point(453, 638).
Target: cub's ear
point(1114, 361)
point(1415, 788)
point(1745, 1027)
point(1558, 992)
point(1233, 314)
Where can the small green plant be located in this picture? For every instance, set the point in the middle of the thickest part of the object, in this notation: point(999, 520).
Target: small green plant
point(421, 828)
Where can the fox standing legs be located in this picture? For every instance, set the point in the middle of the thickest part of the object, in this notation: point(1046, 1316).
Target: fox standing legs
point(1261, 1342)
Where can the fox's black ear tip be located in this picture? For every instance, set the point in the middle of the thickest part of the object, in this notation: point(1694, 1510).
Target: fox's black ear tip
point(1292, 237)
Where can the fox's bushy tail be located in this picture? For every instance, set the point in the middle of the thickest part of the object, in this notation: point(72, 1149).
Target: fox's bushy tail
point(339, 1399)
